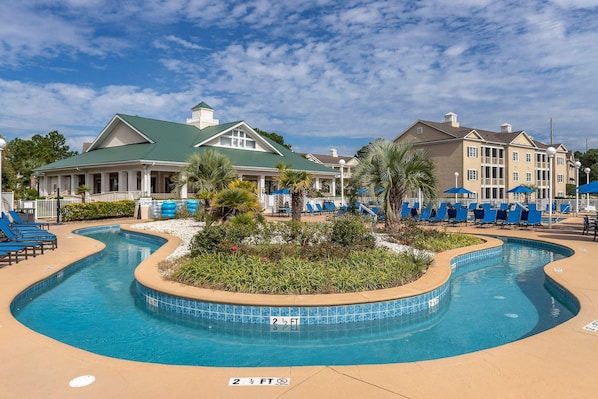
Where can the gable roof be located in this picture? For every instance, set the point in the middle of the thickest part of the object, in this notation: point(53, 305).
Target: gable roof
point(326, 159)
point(171, 143)
point(470, 133)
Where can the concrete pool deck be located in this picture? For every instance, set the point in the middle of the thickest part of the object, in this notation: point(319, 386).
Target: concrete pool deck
point(558, 363)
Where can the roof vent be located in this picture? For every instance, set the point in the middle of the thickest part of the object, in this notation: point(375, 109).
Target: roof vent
point(505, 128)
point(333, 153)
point(451, 119)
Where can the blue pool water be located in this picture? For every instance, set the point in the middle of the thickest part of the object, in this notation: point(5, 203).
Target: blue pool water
point(92, 305)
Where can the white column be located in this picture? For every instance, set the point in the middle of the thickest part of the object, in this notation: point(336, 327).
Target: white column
point(122, 181)
point(261, 189)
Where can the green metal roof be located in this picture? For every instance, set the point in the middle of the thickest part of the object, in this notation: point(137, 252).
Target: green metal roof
point(202, 105)
point(174, 142)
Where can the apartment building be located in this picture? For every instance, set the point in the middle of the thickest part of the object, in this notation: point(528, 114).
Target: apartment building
point(490, 163)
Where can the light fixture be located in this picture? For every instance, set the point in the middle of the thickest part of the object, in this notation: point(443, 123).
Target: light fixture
point(587, 170)
point(456, 185)
point(577, 165)
point(342, 167)
point(2, 147)
point(550, 151)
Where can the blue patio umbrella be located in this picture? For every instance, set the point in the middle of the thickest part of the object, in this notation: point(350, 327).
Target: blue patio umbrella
point(458, 190)
point(590, 188)
point(521, 189)
point(282, 191)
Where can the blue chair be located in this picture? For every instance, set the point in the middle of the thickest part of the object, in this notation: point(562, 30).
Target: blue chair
point(319, 208)
point(501, 216)
point(37, 236)
point(513, 217)
point(565, 208)
point(503, 206)
point(532, 207)
point(425, 215)
point(310, 209)
point(16, 220)
point(534, 218)
point(489, 217)
point(460, 216)
point(405, 210)
point(478, 215)
point(440, 214)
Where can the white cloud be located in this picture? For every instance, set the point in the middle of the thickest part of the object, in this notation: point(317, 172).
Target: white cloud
point(335, 71)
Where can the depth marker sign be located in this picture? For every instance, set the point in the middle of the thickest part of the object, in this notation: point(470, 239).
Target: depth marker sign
point(259, 381)
point(593, 326)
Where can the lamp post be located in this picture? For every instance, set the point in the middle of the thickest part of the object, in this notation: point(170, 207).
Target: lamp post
point(550, 151)
point(587, 170)
point(2, 147)
point(342, 167)
point(456, 185)
point(577, 165)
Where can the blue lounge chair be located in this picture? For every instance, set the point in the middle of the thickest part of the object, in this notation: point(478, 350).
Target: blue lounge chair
point(319, 208)
point(425, 215)
point(16, 219)
point(405, 210)
point(534, 218)
point(501, 216)
point(37, 236)
point(478, 215)
point(440, 214)
point(513, 218)
point(489, 217)
point(310, 209)
point(460, 216)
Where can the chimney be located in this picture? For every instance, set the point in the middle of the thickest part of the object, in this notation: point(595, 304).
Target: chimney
point(333, 153)
point(451, 119)
point(505, 128)
point(86, 146)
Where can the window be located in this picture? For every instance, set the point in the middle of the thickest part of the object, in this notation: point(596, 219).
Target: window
point(472, 174)
point(515, 176)
point(528, 176)
point(560, 160)
point(560, 178)
point(238, 139)
point(419, 130)
point(472, 152)
point(528, 157)
point(515, 156)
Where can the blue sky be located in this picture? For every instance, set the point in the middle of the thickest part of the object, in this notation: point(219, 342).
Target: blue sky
point(321, 73)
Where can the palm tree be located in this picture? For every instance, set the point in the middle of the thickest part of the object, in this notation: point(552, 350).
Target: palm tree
point(398, 169)
point(81, 190)
point(236, 200)
point(297, 181)
point(205, 175)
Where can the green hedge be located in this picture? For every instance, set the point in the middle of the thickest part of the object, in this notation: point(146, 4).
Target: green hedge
point(98, 210)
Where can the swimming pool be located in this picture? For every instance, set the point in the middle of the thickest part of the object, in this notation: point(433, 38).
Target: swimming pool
point(93, 305)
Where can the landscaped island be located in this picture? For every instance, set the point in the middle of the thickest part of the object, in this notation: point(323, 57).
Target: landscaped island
point(310, 258)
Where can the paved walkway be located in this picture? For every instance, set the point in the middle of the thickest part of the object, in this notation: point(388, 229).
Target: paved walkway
point(558, 363)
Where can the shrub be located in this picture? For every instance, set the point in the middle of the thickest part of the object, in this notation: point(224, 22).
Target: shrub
point(98, 210)
point(352, 230)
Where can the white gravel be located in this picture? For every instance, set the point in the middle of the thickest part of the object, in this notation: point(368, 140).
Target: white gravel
point(185, 229)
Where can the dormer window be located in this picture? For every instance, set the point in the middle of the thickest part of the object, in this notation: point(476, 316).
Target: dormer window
point(238, 139)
